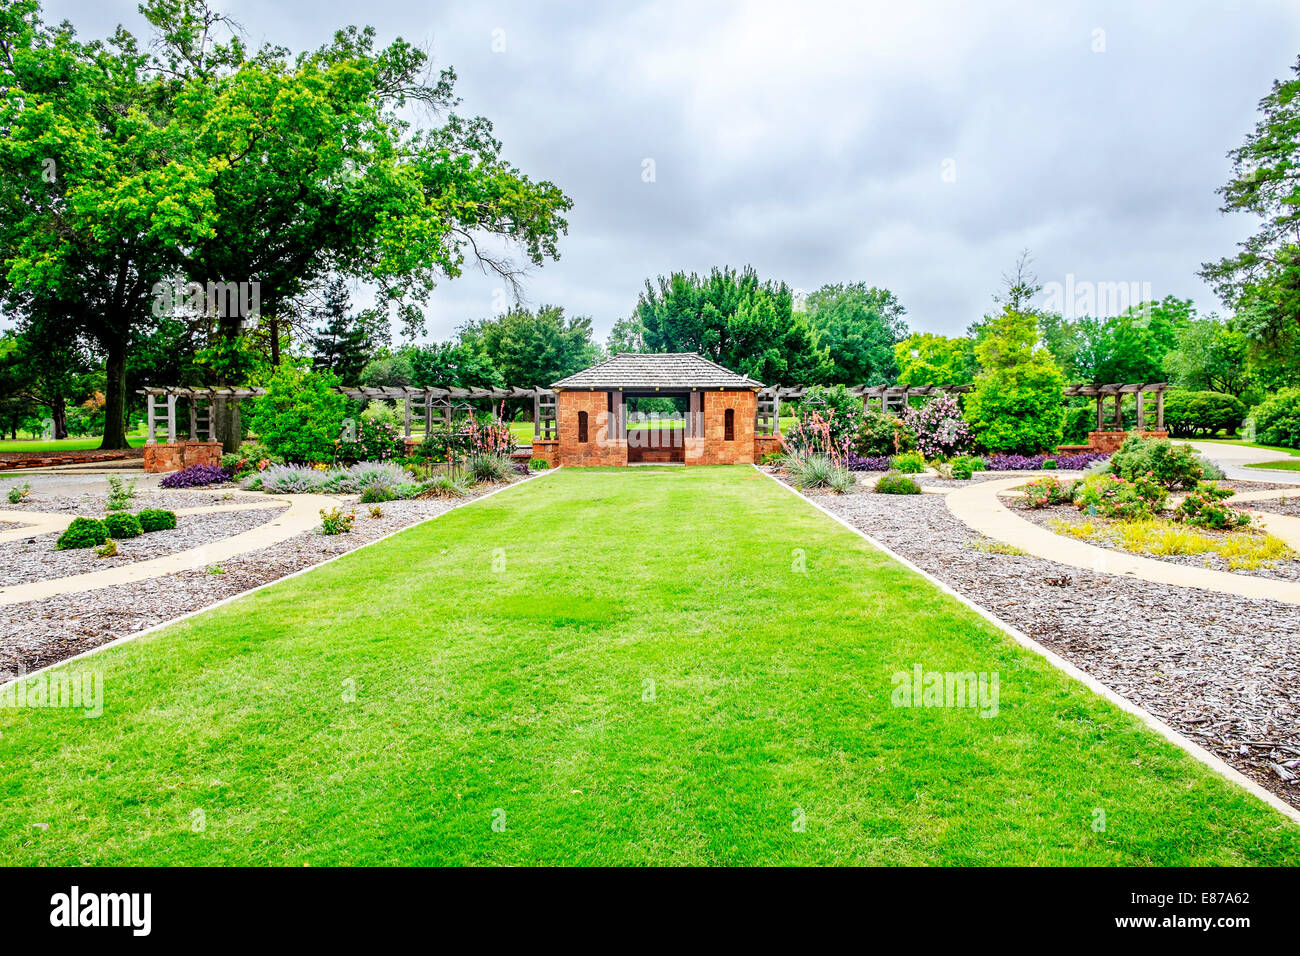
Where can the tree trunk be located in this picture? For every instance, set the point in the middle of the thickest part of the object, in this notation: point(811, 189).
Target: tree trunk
point(59, 415)
point(115, 397)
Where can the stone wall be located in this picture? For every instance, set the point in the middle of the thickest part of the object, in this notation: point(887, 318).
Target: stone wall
point(182, 454)
point(599, 448)
point(713, 448)
point(547, 450)
point(1108, 442)
point(766, 445)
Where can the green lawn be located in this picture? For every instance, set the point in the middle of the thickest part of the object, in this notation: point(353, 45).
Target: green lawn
point(64, 444)
point(633, 666)
point(1284, 464)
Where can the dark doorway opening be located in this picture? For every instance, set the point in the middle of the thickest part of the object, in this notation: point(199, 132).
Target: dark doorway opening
point(656, 426)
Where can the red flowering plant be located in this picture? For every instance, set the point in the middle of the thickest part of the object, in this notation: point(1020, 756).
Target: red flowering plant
point(1049, 491)
point(815, 434)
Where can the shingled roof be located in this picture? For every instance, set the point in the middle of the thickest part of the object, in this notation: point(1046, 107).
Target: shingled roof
point(657, 370)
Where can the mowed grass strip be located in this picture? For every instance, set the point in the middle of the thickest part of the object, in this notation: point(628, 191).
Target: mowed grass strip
point(628, 666)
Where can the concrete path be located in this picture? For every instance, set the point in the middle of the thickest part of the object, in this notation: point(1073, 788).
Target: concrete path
point(36, 523)
point(978, 506)
point(301, 516)
point(1234, 458)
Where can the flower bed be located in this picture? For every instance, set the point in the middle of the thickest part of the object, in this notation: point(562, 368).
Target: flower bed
point(1035, 462)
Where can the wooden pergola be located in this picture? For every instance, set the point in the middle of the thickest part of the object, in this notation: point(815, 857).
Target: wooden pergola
point(1117, 393)
point(434, 404)
point(887, 396)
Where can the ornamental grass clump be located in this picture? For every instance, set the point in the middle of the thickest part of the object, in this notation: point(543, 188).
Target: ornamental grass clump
point(489, 466)
point(818, 471)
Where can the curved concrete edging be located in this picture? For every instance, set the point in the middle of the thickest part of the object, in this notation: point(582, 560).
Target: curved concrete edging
point(301, 515)
point(1195, 750)
point(243, 594)
point(979, 508)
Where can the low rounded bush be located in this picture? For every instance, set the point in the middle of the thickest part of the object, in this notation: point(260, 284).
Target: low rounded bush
point(1188, 414)
point(82, 533)
point(1173, 466)
point(489, 466)
point(1277, 419)
point(377, 492)
point(1204, 507)
point(195, 476)
point(880, 434)
point(1045, 492)
point(123, 524)
point(896, 484)
point(540, 464)
point(1049, 464)
point(909, 462)
point(1114, 497)
point(961, 469)
point(156, 519)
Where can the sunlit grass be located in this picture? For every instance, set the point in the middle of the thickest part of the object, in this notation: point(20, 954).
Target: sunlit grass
point(1244, 549)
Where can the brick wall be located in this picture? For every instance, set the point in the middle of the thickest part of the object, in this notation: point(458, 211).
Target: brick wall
point(547, 450)
point(714, 449)
point(766, 445)
point(182, 454)
point(1107, 442)
point(600, 448)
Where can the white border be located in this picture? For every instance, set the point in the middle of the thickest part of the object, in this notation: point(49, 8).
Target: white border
point(1216, 764)
point(243, 594)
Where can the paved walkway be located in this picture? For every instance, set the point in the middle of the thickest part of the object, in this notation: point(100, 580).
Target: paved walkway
point(1234, 458)
point(301, 516)
point(980, 508)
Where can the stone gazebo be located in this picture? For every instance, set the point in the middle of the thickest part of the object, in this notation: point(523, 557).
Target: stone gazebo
point(712, 422)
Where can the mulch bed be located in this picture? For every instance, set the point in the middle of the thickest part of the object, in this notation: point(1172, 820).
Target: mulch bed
point(1221, 669)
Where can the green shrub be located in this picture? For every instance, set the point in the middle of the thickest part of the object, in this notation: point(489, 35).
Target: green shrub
point(120, 493)
point(880, 434)
point(909, 462)
point(1049, 464)
point(541, 464)
point(18, 492)
point(156, 519)
point(1173, 466)
point(974, 462)
point(1189, 414)
point(107, 550)
point(1045, 492)
point(82, 533)
point(336, 521)
point(1277, 419)
point(1204, 507)
point(446, 486)
point(301, 416)
point(1115, 497)
point(961, 469)
point(892, 483)
point(123, 524)
point(377, 492)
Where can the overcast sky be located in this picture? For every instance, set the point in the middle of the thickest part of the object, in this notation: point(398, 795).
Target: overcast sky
point(913, 145)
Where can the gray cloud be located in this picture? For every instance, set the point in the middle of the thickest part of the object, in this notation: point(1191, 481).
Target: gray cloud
point(808, 139)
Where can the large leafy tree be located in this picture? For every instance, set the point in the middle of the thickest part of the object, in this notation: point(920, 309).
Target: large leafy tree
point(203, 161)
point(527, 348)
point(452, 365)
point(1210, 354)
point(927, 359)
point(1016, 404)
point(734, 319)
point(47, 372)
point(859, 325)
point(1264, 274)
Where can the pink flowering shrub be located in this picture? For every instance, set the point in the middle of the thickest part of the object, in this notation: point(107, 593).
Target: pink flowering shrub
point(939, 429)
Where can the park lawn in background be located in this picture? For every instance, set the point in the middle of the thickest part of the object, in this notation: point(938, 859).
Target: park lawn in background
point(1285, 464)
point(63, 444)
point(604, 666)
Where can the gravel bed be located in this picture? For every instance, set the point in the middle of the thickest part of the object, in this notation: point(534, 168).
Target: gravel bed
point(1288, 570)
point(1290, 505)
point(36, 633)
point(91, 503)
point(1221, 669)
point(34, 559)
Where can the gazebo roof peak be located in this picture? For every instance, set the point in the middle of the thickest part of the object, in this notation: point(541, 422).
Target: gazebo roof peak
point(657, 370)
